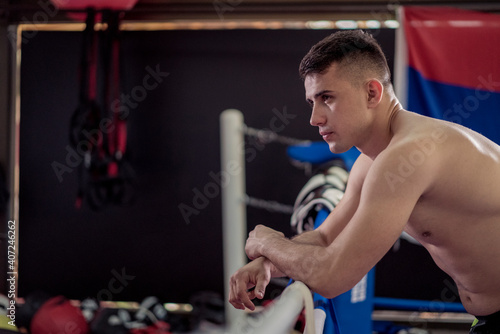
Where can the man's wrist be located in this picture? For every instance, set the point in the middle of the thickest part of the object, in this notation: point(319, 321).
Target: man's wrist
point(275, 272)
point(271, 242)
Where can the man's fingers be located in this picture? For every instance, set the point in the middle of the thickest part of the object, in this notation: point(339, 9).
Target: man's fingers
point(246, 299)
point(239, 297)
point(260, 289)
point(236, 302)
point(236, 305)
point(233, 299)
point(243, 301)
point(248, 283)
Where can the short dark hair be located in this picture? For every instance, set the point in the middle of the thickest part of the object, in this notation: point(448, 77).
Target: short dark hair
point(352, 50)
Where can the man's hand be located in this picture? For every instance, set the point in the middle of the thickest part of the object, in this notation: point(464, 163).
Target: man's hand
point(255, 274)
point(258, 238)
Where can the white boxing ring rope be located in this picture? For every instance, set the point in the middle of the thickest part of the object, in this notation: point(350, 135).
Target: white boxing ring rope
point(234, 229)
point(280, 317)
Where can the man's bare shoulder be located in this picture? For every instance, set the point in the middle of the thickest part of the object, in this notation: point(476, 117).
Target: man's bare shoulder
point(418, 149)
point(411, 129)
point(432, 135)
point(450, 156)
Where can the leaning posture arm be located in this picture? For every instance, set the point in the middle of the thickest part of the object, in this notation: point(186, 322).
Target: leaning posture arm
point(379, 219)
point(257, 273)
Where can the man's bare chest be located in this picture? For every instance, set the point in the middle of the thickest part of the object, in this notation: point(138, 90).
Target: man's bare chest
point(432, 223)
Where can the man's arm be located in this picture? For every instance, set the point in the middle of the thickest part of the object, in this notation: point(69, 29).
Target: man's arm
point(341, 215)
point(258, 272)
point(378, 221)
point(343, 212)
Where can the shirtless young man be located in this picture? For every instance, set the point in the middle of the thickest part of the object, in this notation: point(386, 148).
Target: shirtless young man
point(434, 179)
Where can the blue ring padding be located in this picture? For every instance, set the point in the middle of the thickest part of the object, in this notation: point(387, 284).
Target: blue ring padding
point(331, 325)
point(319, 152)
point(417, 305)
point(320, 217)
point(332, 322)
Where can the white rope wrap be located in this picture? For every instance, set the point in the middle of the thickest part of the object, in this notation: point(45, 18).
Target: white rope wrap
point(280, 316)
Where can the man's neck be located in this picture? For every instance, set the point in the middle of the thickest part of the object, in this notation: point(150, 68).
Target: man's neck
point(382, 132)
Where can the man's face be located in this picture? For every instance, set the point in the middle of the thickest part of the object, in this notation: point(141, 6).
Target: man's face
point(338, 109)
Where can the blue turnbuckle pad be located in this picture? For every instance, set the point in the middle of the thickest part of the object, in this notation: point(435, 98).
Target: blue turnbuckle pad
point(319, 152)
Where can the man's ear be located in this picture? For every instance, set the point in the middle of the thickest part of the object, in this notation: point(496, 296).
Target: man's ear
point(375, 90)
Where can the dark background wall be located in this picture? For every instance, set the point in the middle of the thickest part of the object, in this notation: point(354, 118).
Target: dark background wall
point(173, 146)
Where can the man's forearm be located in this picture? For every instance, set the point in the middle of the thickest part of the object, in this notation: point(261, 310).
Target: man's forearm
point(310, 238)
point(307, 238)
point(303, 261)
point(305, 258)
point(275, 272)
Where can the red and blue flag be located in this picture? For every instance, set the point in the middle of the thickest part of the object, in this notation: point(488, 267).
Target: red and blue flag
point(452, 66)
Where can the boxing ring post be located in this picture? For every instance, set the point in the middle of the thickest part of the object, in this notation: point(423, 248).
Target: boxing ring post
point(233, 205)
